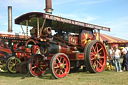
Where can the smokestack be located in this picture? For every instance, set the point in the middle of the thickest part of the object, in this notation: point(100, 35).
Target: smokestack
point(48, 8)
point(9, 18)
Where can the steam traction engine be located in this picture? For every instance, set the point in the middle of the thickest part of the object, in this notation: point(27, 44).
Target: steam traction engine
point(62, 44)
point(14, 47)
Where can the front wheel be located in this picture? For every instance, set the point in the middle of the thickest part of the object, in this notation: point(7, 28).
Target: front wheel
point(11, 64)
point(60, 65)
point(95, 57)
point(36, 65)
point(3, 64)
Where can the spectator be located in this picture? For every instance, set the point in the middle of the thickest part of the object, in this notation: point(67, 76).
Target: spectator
point(117, 55)
point(110, 51)
point(125, 60)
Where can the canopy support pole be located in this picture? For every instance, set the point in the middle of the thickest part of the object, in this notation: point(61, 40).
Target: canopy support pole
point(99, 34)
point(38, 28)
point(22, 29)
point(42, 26)
point(26, 29)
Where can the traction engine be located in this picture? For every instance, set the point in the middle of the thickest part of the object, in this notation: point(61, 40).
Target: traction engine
point(57, 43)
point(67, 49)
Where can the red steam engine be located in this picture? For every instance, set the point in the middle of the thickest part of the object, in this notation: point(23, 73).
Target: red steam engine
point(57, 43)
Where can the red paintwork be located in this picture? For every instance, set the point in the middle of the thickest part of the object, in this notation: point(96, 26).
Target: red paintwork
point(21, 51)
point(11, 36)
point(49, 57)
point(72, 56)
point(35, 48)
point(73, 39)
point(21, 48)
point(76, 56)
point(63, 49)
point(5, 50)
point(28, 50)
point(80, 56)
point(86, 36)
point(22, 55)
point(1, 55)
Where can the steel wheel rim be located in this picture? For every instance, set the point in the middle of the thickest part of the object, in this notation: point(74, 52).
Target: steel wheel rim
point(12, 64)
point(36, 66)
point(98, 57)
point(61, 66)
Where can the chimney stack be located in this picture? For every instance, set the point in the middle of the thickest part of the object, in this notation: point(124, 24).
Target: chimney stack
point(48, 8)
point(9, 18)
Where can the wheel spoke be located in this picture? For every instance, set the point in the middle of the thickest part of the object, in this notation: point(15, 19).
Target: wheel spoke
point(33, 67)
point(94, 63)
point(14, 68)
point(92, 54)
point(93, 49)
point(59, 71)
point(37, 60)
point(92, 59)
point(64, 61)
point(56, 66)
point(99, 63)
point(96, 67)
point(62, 71)
point(10, 67)
point(102, 57)
point(33, 60)
point(15, 60)
point(56, 70)
point(58, 60)
point(99, 50)
point(40, 69)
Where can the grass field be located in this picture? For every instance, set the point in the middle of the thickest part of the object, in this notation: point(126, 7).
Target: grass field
point(78, 78)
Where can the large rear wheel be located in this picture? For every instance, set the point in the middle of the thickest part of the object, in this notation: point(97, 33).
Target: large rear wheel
point(36, 65)
point(95, 57)
point(60, 65)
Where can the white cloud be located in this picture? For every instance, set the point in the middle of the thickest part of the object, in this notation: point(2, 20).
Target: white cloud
point(119, 23)
point(93, 2)
point(58, 2)
point(78, 17)
point(118, 27)
point(20, 4)
point(21, 1)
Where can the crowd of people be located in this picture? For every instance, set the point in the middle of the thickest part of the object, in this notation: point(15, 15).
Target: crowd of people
point(114, 55)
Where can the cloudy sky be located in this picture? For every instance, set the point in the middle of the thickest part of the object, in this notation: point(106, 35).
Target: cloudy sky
point(109, 13)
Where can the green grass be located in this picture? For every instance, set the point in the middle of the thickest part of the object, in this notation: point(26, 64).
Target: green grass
point(78, 78)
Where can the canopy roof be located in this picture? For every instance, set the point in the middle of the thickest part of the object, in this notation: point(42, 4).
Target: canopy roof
point(110, 39)
point(57, 22)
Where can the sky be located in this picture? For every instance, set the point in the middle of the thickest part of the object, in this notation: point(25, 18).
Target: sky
point(108, 13)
